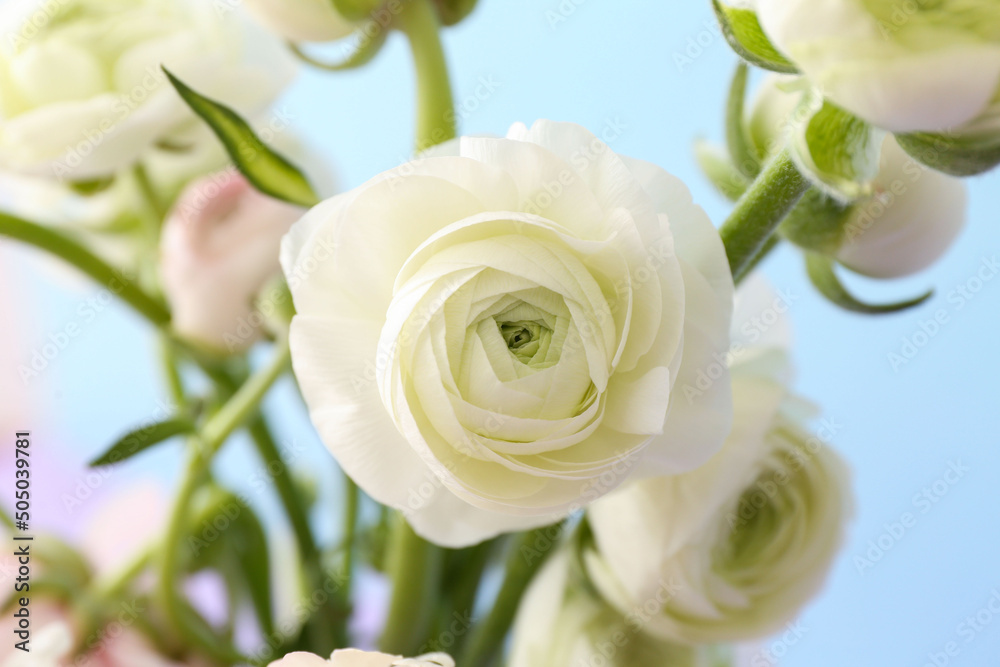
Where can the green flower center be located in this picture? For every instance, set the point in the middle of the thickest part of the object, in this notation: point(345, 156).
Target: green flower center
point(524, 338)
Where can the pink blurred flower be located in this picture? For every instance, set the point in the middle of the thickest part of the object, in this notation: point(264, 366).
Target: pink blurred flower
point(218, 250)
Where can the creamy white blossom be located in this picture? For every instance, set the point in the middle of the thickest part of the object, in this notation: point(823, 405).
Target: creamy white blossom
point(744, 541)
point(561, 623)
point(500, 331)
point(301, 20)
point(354, 658)
point(82, 93)
point(918, 65)
point(910, 220)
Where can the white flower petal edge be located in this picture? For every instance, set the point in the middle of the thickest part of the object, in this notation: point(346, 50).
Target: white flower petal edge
point(494, 335)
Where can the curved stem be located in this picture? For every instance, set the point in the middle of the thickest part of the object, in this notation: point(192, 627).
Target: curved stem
point(65, 248)
point(760, 210)
point(415, 570)
point(435, 105)
point(523, 560)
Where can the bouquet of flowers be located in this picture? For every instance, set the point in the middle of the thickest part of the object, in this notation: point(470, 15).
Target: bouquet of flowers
point(559, 395)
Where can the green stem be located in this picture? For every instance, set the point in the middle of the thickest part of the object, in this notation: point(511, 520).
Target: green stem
point(435, 105)
point(760, 210)
point(769, 245)
point(415, 570)
point(352, 497)
point(245, 401)
point(213, 435)
point(523, 560)
point(113, 585)
point(158, 209)
point(65, 248)
point(290, 497)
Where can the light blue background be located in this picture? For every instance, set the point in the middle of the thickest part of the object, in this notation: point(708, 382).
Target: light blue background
point(662, 70)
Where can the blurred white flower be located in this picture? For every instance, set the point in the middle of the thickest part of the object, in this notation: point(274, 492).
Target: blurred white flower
point(513, 320)
point(82, 94)
point(354, 658)
point(902, 66)
point(732, 550)
point(218, 250)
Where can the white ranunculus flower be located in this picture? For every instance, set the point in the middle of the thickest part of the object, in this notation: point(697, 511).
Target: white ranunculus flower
point(301, 20)
point(742, 542)
point(514, 320)
point(82, 94)
point(919, 65)
point(354, 658)
point(561, 623)
point(908, 223)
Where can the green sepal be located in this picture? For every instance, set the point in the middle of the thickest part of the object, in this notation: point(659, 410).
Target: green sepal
point(452, 11)
point(92, 187)
point(370, 42)
point(742, 30)
point(355, 10)
point(817, 222)
point(741, 148)
point(836, 150)
point(719, 169)
point(266, 170)
point(142, 438)
point(823, 277)
point(957, 156)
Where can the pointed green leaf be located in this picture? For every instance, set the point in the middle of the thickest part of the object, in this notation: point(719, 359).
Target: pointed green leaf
point(742, 30)
point(958, 156)
point(143, 438)
point(720, 170)
point(266, 170)
point(824, 278)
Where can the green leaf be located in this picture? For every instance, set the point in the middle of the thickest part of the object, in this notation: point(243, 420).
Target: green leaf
point(838, 151)
point(824, 278)
point(742, 30)
point(719, 169)
point(266, 170)
point(737, 137)
point(957, 156)
point(143, 438)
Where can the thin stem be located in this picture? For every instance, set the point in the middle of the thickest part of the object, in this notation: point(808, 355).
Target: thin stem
point(171, 370)
point(290, 497)
point(213, 434)
point(524, 559)
point(435, 104)
point(245, 401)
point(415, 569)
point(352, 497)
point(113, 585)
point(760, 210)
point(158, 208)
point(65, 248)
